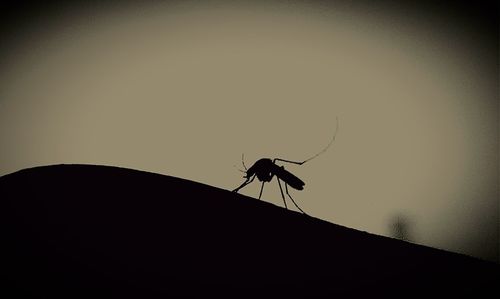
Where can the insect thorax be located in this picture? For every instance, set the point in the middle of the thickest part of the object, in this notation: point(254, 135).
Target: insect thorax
point(263, 169)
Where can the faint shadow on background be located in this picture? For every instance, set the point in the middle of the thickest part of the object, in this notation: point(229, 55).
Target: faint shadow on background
point(401, 227)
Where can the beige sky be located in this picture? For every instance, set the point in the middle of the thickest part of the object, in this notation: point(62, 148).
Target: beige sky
point(184, 90)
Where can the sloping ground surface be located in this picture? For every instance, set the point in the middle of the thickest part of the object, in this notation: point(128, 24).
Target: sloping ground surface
point(81, 231)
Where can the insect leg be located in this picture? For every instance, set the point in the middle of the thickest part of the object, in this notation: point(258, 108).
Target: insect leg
point(322, 151)
point(261, 188)
point(248, 181)
point(288, 161)
point(286, 189)
point(282, 195)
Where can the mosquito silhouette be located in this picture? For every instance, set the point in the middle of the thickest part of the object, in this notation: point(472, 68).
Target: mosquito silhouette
point(265, 169)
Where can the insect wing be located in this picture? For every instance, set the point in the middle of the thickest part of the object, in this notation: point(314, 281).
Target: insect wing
point(290, 178)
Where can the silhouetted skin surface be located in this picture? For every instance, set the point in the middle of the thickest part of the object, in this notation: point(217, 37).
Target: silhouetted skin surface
point(82, 231)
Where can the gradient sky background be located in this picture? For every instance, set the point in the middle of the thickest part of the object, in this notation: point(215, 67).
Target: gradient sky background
point(184, 88)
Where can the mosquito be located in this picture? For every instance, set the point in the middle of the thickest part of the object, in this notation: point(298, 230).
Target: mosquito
point(265, 169)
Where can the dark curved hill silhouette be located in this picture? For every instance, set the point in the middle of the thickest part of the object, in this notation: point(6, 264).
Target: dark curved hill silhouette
point(81, 231)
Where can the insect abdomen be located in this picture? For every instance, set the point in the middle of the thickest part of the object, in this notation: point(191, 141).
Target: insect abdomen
point(290, 179)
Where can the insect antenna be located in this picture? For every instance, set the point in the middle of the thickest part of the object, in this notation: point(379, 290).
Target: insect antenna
point(239, 169)
point(243, 161)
